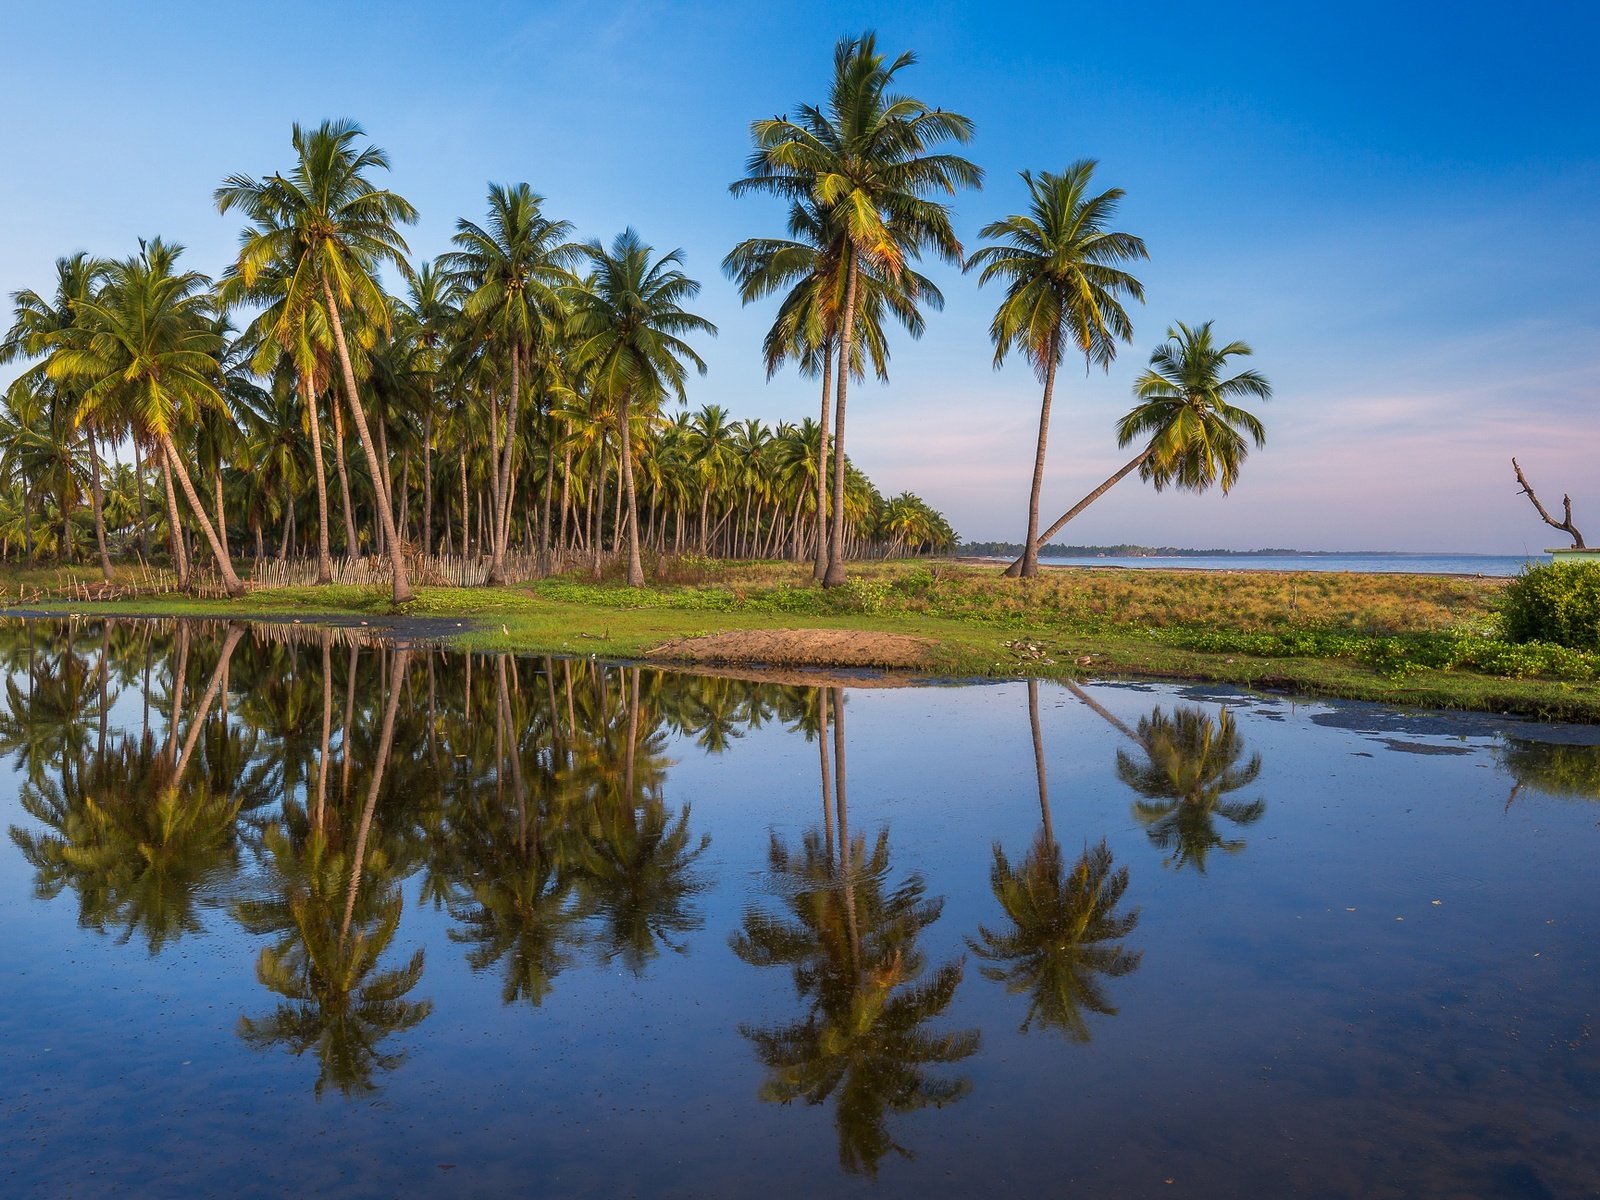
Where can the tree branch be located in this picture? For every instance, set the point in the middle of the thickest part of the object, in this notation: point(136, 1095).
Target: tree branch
point(1565, 525)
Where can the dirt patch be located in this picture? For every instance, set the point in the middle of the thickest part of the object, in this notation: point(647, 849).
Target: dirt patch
point(799, 648)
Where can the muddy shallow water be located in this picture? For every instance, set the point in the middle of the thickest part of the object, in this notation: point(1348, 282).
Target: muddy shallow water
point(287, 912)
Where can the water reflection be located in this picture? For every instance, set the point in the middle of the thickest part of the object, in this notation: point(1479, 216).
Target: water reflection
point(334, 914)
point(1064, 933)
point(1188, 763)
point(1564, 771)
point(849, 936)
point(465, 883)
point(141, 839)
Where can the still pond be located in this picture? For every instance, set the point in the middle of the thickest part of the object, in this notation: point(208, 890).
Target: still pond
point(294, 911)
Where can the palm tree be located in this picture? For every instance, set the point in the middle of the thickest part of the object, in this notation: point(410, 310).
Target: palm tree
point(806, 327)
point(329, 229)
point(39, 328)
point(1063, 286)
point(1186, 408)
point(866, 163)
point(1190, 764)
point(512, 273)
point(148, 356)
point(290, 331)
point(628, 325)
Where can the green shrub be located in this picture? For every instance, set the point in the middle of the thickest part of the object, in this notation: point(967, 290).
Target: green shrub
point(1557, 603)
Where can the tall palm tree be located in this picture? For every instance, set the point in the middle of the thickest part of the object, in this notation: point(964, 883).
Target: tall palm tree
point(1063, 287)
point(866, 161)
point(512, 271)
point(1197, 434)
point(288, 330)
point(150, 357)
point(629, 324)
point(806, 328)
point(330, 229)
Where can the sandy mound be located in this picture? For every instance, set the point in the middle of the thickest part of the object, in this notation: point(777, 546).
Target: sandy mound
point(798, 648)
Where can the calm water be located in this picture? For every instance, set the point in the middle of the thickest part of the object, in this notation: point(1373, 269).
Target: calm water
point(1409, 564)
point(311, 917)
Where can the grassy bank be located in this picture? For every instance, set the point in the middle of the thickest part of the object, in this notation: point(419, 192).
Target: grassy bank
point(1412, 639)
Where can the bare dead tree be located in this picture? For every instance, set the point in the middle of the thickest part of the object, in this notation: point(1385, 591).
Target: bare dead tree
point(1565, 524)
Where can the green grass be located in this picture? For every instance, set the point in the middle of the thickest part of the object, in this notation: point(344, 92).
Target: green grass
point(1426, 640)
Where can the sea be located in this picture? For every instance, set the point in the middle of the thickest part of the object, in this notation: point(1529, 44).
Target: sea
point(1396, 564)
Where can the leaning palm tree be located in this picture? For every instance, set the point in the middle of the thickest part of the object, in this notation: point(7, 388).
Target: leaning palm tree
point(330, 229)
point(148, 356)
point(866, 161)
point(512, 272)
point(1064, 287)
point(1186, 408)
point(628, 325)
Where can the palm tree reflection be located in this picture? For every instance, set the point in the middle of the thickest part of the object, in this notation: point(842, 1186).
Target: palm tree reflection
point(139, 838)
point(1064, 933)
point(849, 938)
point(335, 913)
point(1189, 763)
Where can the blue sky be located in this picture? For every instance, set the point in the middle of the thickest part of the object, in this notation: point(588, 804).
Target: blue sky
point(1398, 206)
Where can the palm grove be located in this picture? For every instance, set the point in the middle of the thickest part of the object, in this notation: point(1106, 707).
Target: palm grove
point(513, 405)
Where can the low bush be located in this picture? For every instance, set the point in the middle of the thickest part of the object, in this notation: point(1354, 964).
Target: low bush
point(1558, 603)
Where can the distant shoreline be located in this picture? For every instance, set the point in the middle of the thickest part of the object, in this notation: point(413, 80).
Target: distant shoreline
point(987, 550)
point(1121, 563)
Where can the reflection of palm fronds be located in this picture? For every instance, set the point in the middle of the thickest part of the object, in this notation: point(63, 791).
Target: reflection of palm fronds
point(1191, 762)
point(338, 1002)
point(850, 942)
point(1064, 937)
point(639, 876)
point(139, 851)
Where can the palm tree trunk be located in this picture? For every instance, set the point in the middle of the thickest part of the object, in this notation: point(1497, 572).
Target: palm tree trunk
point(598, 503)
point(138, 487)
point(635, 567)
point(566, 497)
point(309, 398)
point(235, 632)
point(386, 495)
point(847, 869)
point(385, 746)
point(502, 516)
point(283, 528)
point(327, 727)
point(97, 500)
point(616, 514)
point(180, 557)
point(402, 585)
point(820, 567)
point(222, 509)
point(1030, 547)
point(827, 781)
point(230, 581)
point(834, 577)
point(1038, 760)
point(352, 545)
point(1015, 568)
point(180, 678)
point(427, 485)
point(466, 507)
